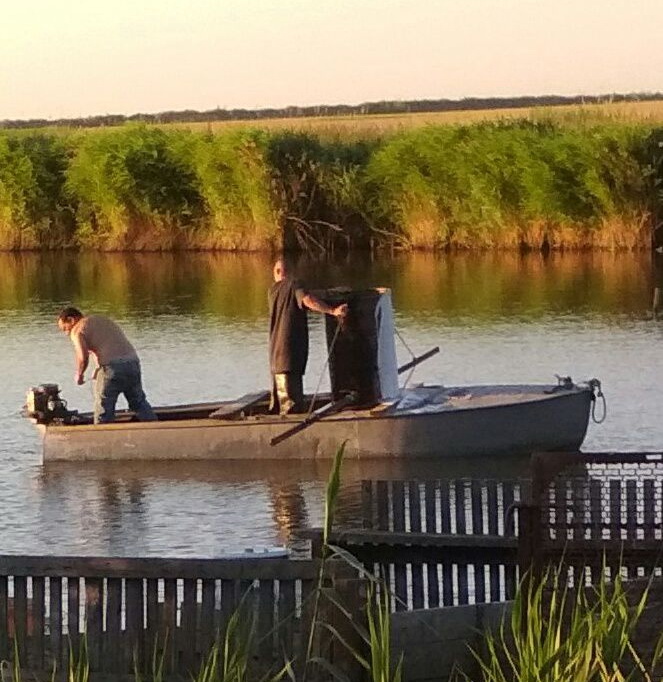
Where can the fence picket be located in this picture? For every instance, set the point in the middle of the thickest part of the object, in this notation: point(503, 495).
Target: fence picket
point(508, 498)
point(478, 529)
point(430, 496)
point(38, 611)
point(417, 570)
point(400, 569)
point(493, 529)
point(112, 652)
point(21, 616)
point(54, 619)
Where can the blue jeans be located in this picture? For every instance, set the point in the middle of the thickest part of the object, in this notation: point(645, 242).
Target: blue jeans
point(120, 376)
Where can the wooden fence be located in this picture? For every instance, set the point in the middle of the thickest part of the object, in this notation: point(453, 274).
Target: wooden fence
point(125, 610)
point(460, 541)
point(594, 514)
point(438, 542)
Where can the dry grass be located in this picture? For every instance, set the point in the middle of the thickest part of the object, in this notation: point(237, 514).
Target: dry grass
point(374, 125)
point(377, 124)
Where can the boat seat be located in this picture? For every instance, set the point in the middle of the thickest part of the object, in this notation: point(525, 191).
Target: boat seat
point(234, 409)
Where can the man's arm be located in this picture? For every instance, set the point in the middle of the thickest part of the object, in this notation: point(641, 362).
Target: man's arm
point(314, 303)
point(82, 357)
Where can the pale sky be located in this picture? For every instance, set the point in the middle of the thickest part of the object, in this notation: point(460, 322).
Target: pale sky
point(84, 57)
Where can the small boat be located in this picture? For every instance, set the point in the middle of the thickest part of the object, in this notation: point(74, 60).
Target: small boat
point(366, 410)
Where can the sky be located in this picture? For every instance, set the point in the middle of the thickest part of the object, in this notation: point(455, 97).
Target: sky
point(85, 57)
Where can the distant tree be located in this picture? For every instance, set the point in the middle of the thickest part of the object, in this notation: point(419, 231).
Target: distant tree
point(382, 107)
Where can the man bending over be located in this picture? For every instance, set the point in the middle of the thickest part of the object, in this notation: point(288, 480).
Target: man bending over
point(118, 368)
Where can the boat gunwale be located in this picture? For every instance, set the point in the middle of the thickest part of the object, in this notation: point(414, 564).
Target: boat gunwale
point(368, 414)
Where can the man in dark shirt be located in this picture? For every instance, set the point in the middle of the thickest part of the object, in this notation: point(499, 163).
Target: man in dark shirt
point(288, 337)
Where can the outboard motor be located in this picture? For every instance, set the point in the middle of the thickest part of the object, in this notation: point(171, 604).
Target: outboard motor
point(44, 404)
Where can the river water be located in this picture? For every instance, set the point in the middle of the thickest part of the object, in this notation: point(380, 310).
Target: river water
point(199, 323)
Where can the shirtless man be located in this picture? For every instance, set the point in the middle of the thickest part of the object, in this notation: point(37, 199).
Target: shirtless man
point(118, 365)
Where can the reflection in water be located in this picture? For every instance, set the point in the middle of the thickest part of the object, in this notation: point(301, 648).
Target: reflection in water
point(122, 509)
point(133, 283)
point(234, 286)
point(658, 284)
point(119, 502)
point(199, 323)
point(113, 499)
point(279, 474)
point(288, 509)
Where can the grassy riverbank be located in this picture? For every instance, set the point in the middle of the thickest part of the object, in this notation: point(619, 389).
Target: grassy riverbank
point(537, 184)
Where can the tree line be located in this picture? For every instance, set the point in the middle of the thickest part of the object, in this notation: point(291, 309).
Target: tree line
point(364, 109)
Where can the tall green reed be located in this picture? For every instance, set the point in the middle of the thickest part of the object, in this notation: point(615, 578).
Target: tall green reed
point(331, 499)
point(34, 211)
point(11, 671)
point(377, 638)
point(133, 187)
point(558, 635)
point(537, 183)
point(319, 189)
point(157, 662)
point(519, 184)
point(367, 639)
point(79, 663)
point(229, 661)
point(78, 669)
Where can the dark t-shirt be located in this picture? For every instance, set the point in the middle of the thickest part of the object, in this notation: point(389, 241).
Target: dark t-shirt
point(288, 327)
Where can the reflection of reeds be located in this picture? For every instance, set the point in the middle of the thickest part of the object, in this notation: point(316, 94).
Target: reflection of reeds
point(468, 286)
point(485, 287)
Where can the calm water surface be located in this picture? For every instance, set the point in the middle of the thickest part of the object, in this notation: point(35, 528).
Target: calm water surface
point(199, 323)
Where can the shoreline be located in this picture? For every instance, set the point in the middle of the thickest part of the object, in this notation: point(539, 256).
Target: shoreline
point(646, 247)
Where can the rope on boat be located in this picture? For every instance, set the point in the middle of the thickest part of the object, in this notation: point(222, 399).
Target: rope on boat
point(413, 356)
point(597, 394)
point(322, 372)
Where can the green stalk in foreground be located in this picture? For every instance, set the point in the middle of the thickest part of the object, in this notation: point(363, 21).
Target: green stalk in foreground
point(331, 498)
point(379, 638)
point(556, 636)
point(376, 634)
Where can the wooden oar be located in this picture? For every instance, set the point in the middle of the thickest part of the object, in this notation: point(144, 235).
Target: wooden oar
point(324, 411)
point(415, 361)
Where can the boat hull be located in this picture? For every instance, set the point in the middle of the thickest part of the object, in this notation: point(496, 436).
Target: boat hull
point(554, 420)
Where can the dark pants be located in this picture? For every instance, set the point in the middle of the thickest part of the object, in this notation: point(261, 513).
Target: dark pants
point(120, 376)
point(287, 393)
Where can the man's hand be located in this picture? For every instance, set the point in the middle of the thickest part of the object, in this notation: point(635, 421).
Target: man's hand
point(79, 379)
point(340, 311)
